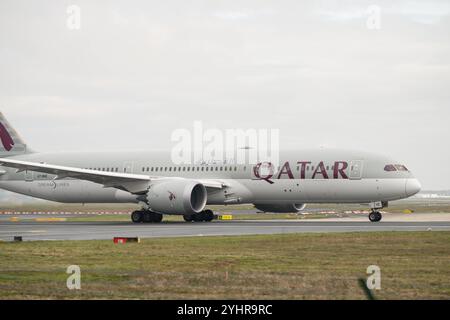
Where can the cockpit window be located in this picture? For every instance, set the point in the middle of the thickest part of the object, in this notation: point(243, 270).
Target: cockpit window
point(390, 167)
point(401, 167)
point(395, 167)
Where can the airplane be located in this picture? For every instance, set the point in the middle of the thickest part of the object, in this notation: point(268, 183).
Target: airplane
point(151, 179)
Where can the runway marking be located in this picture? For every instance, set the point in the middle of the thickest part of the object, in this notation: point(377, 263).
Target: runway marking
point(25, 231)
point(106, 230)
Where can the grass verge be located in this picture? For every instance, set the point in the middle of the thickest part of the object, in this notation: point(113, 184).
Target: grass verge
point(414, 265)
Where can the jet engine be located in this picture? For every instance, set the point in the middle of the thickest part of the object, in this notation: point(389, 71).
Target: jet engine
point(177, 196)
point(281, 208)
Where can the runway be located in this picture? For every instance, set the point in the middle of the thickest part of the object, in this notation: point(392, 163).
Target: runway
point(31, 230)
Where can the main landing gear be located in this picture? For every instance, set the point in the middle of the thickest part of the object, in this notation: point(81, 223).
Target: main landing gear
point(375, 216)
point(146, 216)
point(204, 216)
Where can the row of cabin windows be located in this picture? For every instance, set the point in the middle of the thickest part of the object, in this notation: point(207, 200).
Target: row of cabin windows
point(173, 169)
point(170, 169)
point(104, 169)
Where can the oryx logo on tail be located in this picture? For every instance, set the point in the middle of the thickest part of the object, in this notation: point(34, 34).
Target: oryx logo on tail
point(7, 141)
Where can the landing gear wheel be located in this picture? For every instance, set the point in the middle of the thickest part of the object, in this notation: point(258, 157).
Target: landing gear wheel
point(209, 215)
point(149, 217)
point(198, 217)
point(137, 216)
point(157, 217)
point(146, 217)
point(375, 216)
point(204, 216)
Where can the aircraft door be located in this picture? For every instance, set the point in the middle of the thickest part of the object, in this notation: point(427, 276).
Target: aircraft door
point(356, 169)
point(128, 167)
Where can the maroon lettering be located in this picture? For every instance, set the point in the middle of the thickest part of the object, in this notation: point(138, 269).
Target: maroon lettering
point(286, 169)
point(268, 176)
point(320, 170)
point(303, 168)
point(340, 170)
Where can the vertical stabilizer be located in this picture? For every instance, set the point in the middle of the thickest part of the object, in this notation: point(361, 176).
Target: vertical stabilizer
point(11, 143)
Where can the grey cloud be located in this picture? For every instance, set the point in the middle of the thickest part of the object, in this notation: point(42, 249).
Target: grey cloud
point(146, 68)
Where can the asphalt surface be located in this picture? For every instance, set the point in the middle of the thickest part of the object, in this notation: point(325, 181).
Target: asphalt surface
point(32, 230)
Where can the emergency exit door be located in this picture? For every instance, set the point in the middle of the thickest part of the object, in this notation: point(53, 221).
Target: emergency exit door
point(356, 169)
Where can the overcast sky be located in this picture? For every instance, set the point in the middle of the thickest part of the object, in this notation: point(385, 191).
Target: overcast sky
point(317, 70)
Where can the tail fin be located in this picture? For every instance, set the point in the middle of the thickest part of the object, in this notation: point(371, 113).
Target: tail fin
point(11, 143)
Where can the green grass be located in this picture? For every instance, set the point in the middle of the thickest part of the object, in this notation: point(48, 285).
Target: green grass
point(414, 265)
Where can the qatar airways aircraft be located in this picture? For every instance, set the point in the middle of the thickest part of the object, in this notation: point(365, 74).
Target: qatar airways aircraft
point(162, 187)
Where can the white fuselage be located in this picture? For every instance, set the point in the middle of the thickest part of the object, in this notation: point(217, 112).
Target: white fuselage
point(317, 176)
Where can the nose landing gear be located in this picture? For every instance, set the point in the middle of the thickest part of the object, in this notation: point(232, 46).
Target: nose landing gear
point(375, 216)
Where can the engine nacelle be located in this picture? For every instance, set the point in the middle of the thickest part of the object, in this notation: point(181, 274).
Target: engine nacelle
point(281, 208)
point(177, 196)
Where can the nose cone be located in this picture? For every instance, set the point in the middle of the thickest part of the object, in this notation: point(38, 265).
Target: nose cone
point(412, 187)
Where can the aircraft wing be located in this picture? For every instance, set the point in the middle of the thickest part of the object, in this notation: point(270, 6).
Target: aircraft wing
point(134, 183)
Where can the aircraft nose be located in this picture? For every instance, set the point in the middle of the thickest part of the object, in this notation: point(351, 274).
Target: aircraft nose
point(412, 187)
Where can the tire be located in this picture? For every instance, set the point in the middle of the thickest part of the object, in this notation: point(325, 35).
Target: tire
point(157, 217)
point(209, 215)
point(152, 217)
point(198, 217)
point(137, 216)
point(379, 216)
point(374, 216)
point(146, 217)
point(188, 218)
